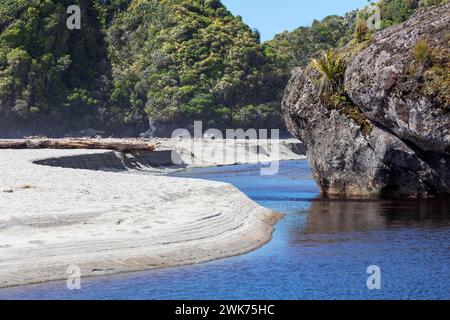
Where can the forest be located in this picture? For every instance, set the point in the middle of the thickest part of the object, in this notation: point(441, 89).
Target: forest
point(171, 61)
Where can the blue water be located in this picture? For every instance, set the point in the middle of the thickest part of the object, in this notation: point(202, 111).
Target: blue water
point(320, 250)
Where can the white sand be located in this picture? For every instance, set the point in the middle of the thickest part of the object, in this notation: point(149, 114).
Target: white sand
point(109, 222)
point(207, 152)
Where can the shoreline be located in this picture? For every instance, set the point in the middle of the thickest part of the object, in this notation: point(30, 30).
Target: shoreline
point(122, 221)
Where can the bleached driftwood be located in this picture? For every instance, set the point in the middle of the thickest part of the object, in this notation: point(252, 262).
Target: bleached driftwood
point(108, 144)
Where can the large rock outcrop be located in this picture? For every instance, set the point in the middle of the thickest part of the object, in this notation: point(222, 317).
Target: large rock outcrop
point(394, 138)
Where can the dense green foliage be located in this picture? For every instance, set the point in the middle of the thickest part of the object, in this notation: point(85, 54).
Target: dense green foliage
point(183, 60)
point(172, 60)
point(291, 49)
point(46, 69)
point(398, 11)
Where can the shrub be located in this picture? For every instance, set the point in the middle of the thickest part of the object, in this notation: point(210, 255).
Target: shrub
point(422, 52)
point(425, 3)
point(362, 31)
point(331, 68)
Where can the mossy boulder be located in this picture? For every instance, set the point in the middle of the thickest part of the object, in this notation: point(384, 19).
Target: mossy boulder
point(385, 133)
point(401, 80)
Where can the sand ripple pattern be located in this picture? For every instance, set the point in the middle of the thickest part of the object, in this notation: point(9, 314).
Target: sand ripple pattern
point(109, 222)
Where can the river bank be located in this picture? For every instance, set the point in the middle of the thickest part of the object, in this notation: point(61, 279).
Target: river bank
point(104, 221)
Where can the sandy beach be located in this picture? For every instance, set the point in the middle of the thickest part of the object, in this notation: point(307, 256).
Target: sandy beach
point(108, 222)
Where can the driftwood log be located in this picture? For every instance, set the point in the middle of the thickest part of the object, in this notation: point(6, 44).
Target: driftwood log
point(107, 144)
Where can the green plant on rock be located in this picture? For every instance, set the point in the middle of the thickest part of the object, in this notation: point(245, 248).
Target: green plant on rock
point(344, 104)
point(331, 67)
point(422, 52)
point(425, 3)
point(434, 70)
point(362, 31)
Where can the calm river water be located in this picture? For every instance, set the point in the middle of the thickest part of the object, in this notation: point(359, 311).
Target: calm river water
point(320, 250)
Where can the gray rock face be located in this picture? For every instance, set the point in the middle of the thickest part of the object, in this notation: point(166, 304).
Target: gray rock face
point(406, 152)
point(376, 82)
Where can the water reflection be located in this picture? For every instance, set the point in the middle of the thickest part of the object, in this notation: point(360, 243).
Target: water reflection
point(347, 220)
point(334, 216)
